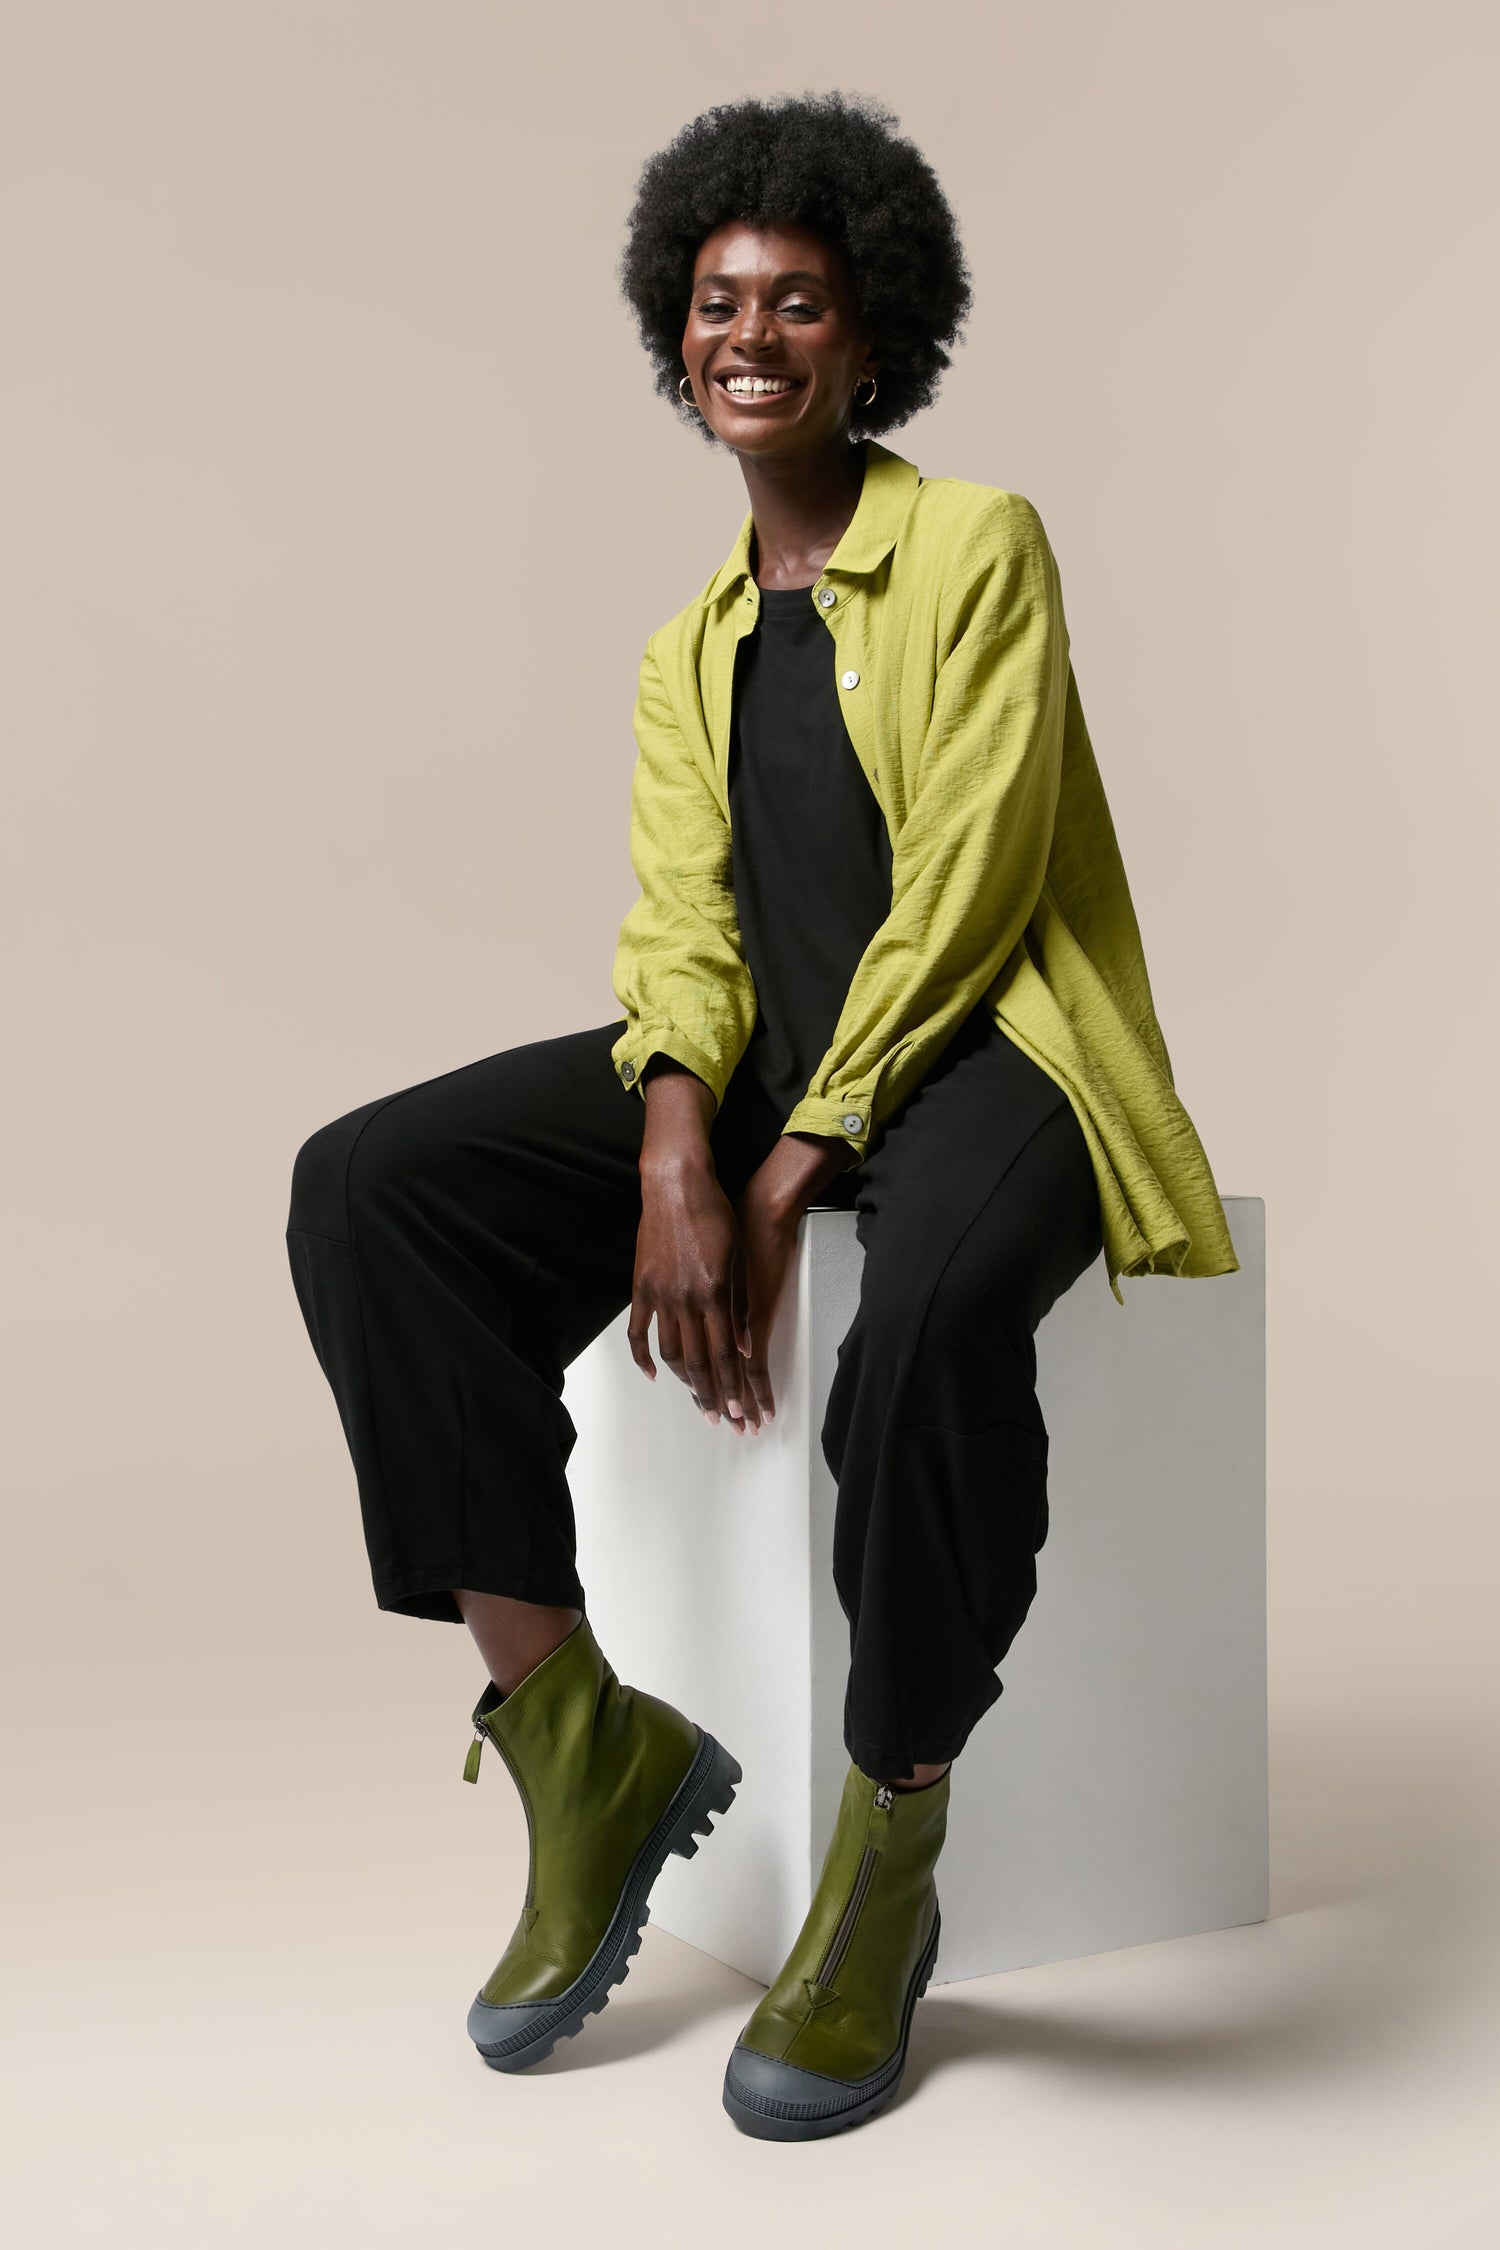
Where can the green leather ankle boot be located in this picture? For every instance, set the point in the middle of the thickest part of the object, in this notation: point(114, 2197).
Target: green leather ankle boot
point(612, 1780)
point(827, 2046)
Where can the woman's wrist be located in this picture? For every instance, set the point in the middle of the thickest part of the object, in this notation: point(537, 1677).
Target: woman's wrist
point(676, 1145)
point(799, 1167)
point(679, 1112)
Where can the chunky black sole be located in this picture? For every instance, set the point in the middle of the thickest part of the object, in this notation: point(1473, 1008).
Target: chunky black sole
point(778, 2101)
point(518, 2034)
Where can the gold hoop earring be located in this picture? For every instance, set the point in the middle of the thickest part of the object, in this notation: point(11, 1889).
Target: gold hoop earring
point(870, 401)
point(689, 400)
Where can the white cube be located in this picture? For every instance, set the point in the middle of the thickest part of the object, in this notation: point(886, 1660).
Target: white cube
point(1117, 1792)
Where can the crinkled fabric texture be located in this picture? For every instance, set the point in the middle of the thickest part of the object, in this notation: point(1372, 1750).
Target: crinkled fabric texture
point(950, 644)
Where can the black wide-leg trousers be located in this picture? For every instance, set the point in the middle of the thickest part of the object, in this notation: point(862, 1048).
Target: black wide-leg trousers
point(456, 1245)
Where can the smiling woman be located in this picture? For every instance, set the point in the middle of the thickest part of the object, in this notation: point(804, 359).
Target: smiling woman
point(883, 956)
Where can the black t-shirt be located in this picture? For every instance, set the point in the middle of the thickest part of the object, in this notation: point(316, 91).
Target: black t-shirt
point(812, 856)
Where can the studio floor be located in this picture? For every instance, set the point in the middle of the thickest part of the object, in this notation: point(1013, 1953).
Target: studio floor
point(251, 2030)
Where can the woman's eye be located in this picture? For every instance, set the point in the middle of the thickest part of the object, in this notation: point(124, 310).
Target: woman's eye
point(720, 308)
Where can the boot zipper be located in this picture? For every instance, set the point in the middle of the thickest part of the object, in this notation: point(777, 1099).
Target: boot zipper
point(838, 1945)
point(482, 1735)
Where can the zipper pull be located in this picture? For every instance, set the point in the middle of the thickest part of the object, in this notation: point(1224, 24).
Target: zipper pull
point(471, 1763)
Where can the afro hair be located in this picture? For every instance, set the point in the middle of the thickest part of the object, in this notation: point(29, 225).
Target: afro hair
point(834, 164)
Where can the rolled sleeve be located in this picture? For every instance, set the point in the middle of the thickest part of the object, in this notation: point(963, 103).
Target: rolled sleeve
point(679, 971)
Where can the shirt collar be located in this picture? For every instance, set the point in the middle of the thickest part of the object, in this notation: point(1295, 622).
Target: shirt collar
point(885, 496)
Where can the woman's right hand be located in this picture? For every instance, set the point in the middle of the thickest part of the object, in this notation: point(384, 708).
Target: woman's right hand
point(689, 1260)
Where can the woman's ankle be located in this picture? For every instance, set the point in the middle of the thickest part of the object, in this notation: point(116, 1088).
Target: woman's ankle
point(512, 1636)
point(921, 1777)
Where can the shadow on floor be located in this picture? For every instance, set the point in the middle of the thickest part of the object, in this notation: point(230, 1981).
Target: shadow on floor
point(1383, 1853)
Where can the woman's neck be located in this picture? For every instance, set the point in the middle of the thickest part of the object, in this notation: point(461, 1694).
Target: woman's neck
point(802, 508)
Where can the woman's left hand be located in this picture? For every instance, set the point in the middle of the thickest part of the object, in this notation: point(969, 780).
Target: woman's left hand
point(769, 1211)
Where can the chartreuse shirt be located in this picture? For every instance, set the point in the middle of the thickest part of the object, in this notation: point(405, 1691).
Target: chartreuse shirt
point(943, 609)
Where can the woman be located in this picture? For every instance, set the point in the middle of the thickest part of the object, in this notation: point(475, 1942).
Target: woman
point(884, 957)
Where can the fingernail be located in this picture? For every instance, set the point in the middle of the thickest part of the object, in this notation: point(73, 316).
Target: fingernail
point(769, 1413)
point(736, 1409)
point(709, 1414)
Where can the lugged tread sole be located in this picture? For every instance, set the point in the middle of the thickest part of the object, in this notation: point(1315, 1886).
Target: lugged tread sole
point(708, 1787)
point(768, 2117)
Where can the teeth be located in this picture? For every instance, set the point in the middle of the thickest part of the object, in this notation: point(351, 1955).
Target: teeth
point(752, 385)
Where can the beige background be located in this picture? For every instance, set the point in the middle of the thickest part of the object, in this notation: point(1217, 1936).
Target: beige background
point(329, 449)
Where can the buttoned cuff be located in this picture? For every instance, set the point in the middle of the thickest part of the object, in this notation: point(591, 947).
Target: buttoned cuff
point(638, 1043)
point(847, 1120)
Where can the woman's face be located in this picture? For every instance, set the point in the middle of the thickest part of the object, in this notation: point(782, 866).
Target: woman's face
point(772, 342)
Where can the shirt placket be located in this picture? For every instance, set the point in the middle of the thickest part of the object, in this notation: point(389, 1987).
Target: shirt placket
point(841, 607)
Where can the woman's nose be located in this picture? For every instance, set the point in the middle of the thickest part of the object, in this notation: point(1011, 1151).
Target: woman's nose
point(752, 328)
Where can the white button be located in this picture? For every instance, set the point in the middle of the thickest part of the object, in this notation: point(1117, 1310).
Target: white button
point(849, 679)
point(852, 1123)
point(627, 1072)
point(828, 597)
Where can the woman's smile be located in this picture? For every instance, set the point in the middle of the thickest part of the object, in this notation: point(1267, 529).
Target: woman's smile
point(752, 389)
